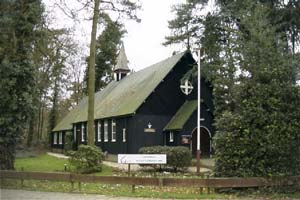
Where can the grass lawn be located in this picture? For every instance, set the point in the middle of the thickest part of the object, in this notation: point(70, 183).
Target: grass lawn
point(47, 163)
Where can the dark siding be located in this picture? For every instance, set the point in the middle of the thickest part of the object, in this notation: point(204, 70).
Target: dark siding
point(139, 138)
point(118, 146)
point(167, 97)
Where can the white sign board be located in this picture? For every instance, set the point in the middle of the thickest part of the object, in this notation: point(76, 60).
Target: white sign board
point(142, 158)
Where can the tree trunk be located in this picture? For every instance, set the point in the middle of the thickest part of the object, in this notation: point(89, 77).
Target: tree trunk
point(91, 83)
point(7, 156)
point(39, 118)
point(30, 131)
point(42, 125)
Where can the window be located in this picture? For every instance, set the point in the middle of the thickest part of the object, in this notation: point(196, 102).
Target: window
point(124, 134)
point(99, 131)
point(55, 138)
point(171, 139)
point(105, 131)
point(60, 136)
point(82, 132)
point(113, 130)
point(74, 132)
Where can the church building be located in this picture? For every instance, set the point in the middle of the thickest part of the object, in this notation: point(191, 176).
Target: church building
point(145, 108)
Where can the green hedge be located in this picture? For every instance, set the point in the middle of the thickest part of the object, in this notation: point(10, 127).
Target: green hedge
point(178, 157)
point(87, 159)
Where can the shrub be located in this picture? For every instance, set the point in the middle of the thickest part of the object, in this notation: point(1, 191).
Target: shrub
point(69, 142)
point(86, 159)
point(178, 157)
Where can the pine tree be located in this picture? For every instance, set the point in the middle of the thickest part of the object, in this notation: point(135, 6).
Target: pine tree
point(185, 27)
point(108, 43)
point(260, 137)
point(107, 47)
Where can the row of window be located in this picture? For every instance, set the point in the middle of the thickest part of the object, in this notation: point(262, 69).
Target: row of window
point(60, 137)
point(98, 130)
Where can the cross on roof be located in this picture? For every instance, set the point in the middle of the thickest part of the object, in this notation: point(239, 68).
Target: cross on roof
point(187, 87)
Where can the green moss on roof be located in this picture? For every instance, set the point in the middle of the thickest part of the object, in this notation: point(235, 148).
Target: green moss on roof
point(182, 115)
point(123, 97)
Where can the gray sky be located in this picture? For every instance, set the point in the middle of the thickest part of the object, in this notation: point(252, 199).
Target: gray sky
point(143, 41)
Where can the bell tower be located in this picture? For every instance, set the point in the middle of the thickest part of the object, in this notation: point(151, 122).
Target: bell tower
point(121, 69)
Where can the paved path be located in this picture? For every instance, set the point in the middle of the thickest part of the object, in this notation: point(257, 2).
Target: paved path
point(133, 167)
point(7, 194)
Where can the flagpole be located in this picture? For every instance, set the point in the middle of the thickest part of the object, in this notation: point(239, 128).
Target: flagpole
point(198, 113)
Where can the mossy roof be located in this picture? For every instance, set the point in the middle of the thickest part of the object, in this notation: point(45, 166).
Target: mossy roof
point(123, 97)
point(182, 115)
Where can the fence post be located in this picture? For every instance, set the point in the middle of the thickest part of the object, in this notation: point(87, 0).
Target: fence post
point(133, 186)
point(79, 186)
point(128, 169)
point(201, 190)
point(72, 182)
point(208, 188)
point(160, 183)
point(22, 180)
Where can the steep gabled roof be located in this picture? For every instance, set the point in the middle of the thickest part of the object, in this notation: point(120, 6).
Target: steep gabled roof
point(182, 115)
point(123, 97)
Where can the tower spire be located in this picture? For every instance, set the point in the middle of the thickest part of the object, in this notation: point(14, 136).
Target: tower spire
point(121, 69)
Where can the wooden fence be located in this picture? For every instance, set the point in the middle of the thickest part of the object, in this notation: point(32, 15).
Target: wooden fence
point(160, 182)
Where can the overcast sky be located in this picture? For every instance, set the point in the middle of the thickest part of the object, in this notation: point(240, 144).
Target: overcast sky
point(143, 41)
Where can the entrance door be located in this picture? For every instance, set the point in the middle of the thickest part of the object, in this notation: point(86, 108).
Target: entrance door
point(205, 142)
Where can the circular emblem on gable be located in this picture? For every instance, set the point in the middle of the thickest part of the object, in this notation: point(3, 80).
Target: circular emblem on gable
point(187, 87)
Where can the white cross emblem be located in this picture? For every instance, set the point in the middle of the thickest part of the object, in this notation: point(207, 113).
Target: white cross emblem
point(187, 87)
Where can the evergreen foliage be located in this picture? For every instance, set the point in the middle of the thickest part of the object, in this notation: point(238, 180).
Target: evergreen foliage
point(251, 61)
point(178, 157)
point(87, 159)
point(18, 22)
point(260, 136)
point(108, 43)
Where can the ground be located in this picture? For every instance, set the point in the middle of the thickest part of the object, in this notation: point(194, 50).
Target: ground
point(7, 194)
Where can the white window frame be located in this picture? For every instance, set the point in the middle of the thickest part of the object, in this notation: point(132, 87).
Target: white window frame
point(105, 131)
point(74, 132)
point(55, 138)
point(113, 130)
point(171, 137)
point(99, 131)
point(82, 132)
point(60, 138)
point(124, 134)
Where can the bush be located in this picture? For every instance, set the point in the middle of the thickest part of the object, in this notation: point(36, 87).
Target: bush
point(178, 157)
point(86, 159)
point(69, 143)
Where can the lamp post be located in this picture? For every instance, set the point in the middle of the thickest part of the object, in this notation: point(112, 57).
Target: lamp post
point(198, 152)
